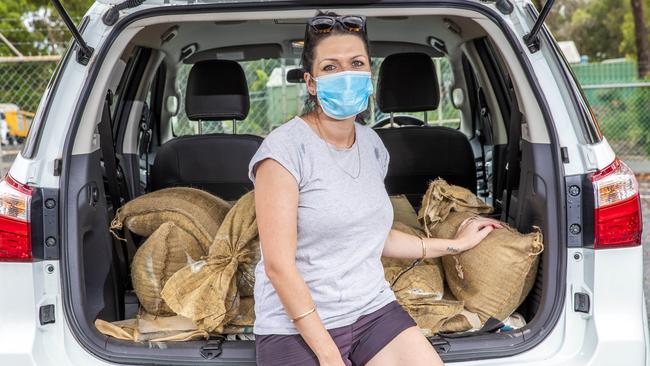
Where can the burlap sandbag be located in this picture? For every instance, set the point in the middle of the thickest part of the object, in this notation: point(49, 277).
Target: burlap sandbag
point(420, 290)
point(462, 322)
point(167, 250)
point(246, 270)
point(195, 211)
point(405, 228)
point(493, 278)
point(147, 327)
point(403, 211)
point(206, 291)
point(245, 314)
point(429, 271)
point(422, 281)
point(442, 198)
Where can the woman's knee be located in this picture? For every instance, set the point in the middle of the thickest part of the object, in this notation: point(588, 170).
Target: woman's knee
point(409, 347)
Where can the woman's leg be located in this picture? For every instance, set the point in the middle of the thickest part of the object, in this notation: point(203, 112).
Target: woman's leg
point(277, 350)
point(290, 350)
point(410, 347)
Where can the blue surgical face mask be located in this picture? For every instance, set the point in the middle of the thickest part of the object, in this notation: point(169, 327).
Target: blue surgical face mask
point(344, 94)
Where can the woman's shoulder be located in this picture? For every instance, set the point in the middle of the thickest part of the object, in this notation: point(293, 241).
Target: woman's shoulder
point(287, 132)
point(369, 131)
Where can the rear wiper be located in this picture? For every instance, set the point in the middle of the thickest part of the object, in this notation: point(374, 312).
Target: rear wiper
point(85, 51)
point(531, 39)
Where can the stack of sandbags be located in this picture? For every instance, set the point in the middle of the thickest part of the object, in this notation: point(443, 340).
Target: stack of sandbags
point(420, 288)
point(180, 224)
point(207, 291)
point(493, 278)
point(185, 231)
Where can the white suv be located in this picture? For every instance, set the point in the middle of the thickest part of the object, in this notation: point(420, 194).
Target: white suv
point(113, 125)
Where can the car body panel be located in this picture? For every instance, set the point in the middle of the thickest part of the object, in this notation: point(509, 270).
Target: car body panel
point(615, 327)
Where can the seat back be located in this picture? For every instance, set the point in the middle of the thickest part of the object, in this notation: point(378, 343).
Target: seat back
point(418, 154)
point(218, 163)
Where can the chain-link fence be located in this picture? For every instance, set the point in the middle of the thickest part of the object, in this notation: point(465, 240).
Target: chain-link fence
point(274, 100)
point(620, 102)
point(23, 83)
point(623, 112)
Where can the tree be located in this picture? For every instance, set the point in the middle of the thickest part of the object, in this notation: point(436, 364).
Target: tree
point(641, 38)
point(594, 25)
point(34, 27)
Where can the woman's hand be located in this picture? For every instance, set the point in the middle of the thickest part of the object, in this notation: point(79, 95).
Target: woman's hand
point(472, 231)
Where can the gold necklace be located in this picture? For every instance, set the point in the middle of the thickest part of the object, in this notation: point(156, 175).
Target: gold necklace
point(329, 149)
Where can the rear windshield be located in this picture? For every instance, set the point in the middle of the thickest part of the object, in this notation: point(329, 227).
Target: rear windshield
point(274, 101)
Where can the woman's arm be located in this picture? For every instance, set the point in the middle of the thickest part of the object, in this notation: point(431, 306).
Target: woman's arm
point(276, 206)
point(403, 245)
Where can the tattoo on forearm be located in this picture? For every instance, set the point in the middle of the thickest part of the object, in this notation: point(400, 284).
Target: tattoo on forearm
point(451, 249)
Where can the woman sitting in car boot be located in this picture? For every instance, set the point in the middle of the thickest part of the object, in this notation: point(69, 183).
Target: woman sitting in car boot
point(325, 217)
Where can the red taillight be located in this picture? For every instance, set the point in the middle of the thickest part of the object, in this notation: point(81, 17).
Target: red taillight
point(617, 217)
point(15, 234)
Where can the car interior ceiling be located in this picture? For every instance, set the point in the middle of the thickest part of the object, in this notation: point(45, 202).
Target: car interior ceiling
point(474, 156)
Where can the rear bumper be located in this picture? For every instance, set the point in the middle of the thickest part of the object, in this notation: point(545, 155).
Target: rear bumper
point(24, 288)
point(615, 332)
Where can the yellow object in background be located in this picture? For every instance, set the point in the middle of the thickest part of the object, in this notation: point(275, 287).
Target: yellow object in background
point(18, 122)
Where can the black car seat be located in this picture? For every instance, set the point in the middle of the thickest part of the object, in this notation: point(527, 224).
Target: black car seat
point(218, 163)
point(418, 154)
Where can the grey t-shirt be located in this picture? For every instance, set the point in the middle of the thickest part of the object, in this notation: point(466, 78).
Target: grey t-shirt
point(343, 224)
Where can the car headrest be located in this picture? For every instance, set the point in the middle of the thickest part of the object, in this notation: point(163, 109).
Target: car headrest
point(407, 83)
point(296, 76)
point(217, 90)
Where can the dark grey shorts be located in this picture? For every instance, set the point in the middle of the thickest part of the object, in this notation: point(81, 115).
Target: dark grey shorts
point(358, 342)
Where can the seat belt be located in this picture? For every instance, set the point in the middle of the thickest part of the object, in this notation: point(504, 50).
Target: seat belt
point(145, 140)
point(105, 128)
point(108, 153)
point(485, 136)
point(514, 135)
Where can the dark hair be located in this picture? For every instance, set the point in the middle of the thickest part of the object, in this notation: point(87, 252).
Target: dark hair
point(311, 40)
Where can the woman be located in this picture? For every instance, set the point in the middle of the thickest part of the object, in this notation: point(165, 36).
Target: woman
point(325, 218)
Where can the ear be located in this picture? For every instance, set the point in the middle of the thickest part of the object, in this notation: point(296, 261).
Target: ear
point(311, 84)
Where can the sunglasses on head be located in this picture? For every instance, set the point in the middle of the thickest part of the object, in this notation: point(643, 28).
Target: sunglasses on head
point(325, 23)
